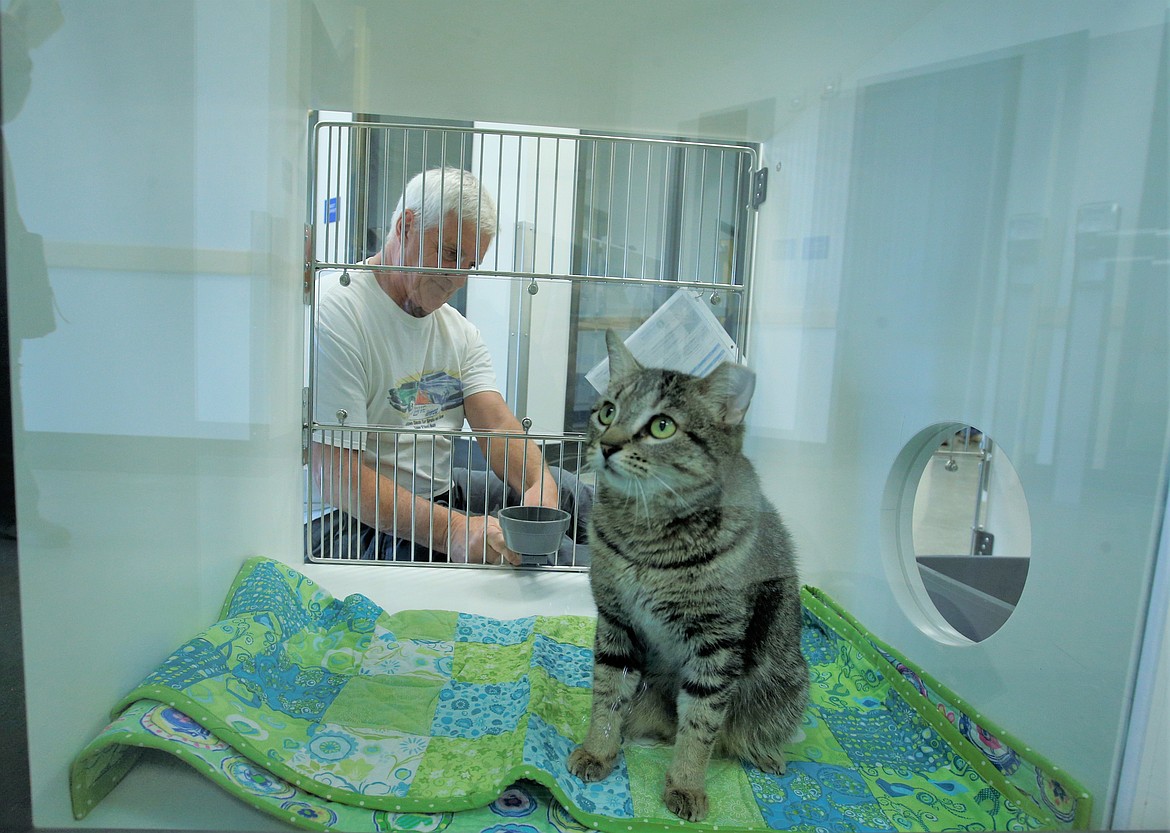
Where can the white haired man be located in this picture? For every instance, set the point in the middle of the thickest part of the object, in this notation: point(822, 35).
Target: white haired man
point(391, 352)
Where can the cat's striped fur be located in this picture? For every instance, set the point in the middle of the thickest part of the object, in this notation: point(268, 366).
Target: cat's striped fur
point(698, 627)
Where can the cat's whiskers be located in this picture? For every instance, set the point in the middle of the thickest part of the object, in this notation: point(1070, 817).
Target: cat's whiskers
point(645, 502)
point(686, 503)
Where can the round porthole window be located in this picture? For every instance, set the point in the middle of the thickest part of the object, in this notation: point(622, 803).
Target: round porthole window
point(961, 535)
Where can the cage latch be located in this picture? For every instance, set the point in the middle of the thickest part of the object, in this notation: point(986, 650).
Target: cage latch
point(307, 280)
point(759, 187)
point(306, 433)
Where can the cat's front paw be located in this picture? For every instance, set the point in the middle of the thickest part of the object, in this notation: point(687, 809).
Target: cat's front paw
point(587, 766)
point(688, 803)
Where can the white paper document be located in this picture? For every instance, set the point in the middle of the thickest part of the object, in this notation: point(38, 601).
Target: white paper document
point(682, 334)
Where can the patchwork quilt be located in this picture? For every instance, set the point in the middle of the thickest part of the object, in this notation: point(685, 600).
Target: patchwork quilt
point(332, 714)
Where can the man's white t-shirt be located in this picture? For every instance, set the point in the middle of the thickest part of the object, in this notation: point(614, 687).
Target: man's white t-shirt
point(386, 368)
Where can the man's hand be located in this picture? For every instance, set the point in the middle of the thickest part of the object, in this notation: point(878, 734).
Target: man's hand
point(468, 535)
point(543, 493)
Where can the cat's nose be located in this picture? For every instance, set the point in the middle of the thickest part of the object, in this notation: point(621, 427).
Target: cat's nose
point(608, 449)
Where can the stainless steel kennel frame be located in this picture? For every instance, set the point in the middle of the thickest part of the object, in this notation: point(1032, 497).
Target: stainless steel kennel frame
point(595, 210)
point(339, 482)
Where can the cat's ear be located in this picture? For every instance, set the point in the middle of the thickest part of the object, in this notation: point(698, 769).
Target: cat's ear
point(731, 385)
point(621, 361)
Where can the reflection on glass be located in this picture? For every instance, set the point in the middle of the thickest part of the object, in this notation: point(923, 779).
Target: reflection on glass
point(971, 532)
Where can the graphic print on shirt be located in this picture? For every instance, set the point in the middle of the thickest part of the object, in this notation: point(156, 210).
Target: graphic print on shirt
point(422, 399)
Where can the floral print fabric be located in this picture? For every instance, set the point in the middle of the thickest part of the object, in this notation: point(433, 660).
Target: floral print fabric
point(335, 715)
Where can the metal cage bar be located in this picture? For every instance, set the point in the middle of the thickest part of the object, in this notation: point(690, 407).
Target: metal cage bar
point(639, 211)
point(707, 224)
point(346, 464)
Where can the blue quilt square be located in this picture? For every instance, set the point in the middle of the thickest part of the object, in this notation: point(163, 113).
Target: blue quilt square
point(267, 590)
point(278, 682)
point(568, 664)
point(471, 710)
point(198, 660)
point(819, 646)
point(547, 749)
point(355, 614)
point(874, 738)
point(473, 628)
point(816, 796)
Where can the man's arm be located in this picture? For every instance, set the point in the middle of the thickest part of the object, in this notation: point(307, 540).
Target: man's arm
point(357, 488)
point(517, 460)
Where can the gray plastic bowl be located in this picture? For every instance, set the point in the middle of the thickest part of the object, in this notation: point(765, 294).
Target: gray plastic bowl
point(533, 530)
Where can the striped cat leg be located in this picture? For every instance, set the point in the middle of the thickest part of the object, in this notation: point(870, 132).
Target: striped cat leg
point(771, 697)
point(702, 707)
point(616, 673)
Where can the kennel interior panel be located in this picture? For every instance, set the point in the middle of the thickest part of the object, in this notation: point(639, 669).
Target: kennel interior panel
point(594, 232)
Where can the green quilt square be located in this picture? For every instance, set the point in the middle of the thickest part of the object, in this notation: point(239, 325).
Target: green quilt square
point(565, 708)
point(476, 662)
point(857, 676)
point(939, 800)
point(253, 729)
point(733, 804)
point(460, 767)
point(405, 704)
point(570, 630)
point(337, 650)
point(434, 625)
point(816, 742)
point(246, 635)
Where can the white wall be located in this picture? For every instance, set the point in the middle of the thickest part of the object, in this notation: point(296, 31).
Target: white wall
point(160, 438)
point(162, 155)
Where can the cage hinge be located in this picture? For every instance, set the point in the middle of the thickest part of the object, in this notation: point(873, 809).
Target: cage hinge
point(984, 542)
point(759, 187)
point(307, 280)
point(306, 434)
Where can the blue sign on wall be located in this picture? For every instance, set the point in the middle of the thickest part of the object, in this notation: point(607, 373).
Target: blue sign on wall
point(331, 210)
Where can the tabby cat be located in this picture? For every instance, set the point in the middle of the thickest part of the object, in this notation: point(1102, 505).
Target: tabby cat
point(698, 600)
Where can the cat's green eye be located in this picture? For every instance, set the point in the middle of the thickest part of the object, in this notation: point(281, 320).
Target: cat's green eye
point(662, 427)
point(606, 413)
